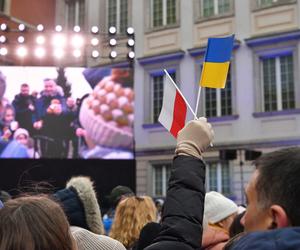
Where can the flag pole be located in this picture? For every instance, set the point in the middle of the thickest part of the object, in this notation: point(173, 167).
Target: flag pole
point(180, 93)
point(198, 100)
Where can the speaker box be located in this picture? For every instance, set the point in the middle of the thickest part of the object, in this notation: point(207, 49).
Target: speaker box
point(228, 154)
point(251, 155)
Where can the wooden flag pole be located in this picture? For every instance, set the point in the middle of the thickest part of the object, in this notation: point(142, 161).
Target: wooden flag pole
point(180, 93)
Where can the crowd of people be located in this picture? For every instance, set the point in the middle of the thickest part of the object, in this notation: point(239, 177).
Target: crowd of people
point(190, 218)
point(45, 123)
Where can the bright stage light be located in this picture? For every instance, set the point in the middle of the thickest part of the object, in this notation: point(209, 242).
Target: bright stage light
point(40, 52)
point(21, 39)
point(59, 40)
point(131, 55)
point(58, 53)
point(112, 30)
point(77, 53)
point(22, 52)
point(40, 40)
point(113, 54)
point(77, 41)
point(3, 51)
point(95, 30)
point(22, 27)
point(40, 27)
point(76, 28)
point(113, 42)
point(130, 31)
point(130, 42)
point(3, 39)
point(58, 28)
point(3, 27)
point(95, 54)
point(95, 41)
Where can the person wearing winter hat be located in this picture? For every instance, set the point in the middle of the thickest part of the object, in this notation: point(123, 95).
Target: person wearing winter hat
point(80, 204)
point(117, 194)
point(86, 240)
point(219, 213)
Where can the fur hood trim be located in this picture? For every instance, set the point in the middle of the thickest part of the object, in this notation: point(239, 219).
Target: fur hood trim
point(87, 194)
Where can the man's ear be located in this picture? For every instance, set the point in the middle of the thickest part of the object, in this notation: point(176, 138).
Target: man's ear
point(280, 218)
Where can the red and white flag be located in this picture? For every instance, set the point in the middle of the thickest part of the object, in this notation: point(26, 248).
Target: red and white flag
point(173, 112)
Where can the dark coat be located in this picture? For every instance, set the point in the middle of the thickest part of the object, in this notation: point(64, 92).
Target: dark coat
point(279, 239)
point(183, 211)
point(23, 114)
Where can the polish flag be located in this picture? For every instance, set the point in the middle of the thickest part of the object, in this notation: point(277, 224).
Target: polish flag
point(173, 112)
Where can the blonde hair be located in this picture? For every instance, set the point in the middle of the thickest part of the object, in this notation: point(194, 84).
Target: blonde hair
point(132, 214)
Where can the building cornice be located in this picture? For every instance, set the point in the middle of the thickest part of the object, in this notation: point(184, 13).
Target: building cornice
point(171, 56)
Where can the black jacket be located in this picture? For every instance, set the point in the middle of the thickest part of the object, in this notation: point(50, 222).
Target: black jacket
point(183, 211)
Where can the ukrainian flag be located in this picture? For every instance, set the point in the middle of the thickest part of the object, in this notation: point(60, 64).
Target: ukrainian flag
point(216, 63)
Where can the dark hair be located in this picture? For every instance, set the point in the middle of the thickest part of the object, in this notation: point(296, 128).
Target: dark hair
point(236, 225)
point(278, 181)
point(34, 222)
point(24, 85)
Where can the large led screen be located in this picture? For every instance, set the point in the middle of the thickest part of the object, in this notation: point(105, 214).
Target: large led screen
point(49, 112)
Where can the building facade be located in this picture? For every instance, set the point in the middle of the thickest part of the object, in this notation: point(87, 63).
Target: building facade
point(258, 110)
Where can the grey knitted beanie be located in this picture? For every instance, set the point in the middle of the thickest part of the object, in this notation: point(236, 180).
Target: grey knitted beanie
point(87, 240)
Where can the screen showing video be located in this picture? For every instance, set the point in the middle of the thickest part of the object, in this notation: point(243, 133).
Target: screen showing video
point(66, 113)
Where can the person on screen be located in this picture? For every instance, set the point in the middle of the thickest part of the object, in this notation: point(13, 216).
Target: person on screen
point(24, 105)
point(49, 116)
point(8, 124)
point(22, 136)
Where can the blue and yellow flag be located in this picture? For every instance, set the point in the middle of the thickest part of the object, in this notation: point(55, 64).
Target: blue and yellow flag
point(216, 63)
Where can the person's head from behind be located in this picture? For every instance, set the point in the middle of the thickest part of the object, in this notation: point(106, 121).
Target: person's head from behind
point(49, 87)
point(273, 191)
point(34, 222)
point(132, 214)
point(119, 193)
point(24, 91)
point(219, 211)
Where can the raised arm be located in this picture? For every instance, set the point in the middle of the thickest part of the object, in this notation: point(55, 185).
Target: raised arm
point(183, 211)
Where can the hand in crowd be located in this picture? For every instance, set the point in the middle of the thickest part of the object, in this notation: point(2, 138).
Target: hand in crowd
point(57, 110)
point(6, 134)
point(38, 125)
point(194, 138)
point(14, 125)
point(31, 107)
point(80, 132)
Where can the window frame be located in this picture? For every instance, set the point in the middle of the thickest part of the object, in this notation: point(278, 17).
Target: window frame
point(155, 74)
point(164, 187)
point(165, 17)
point(118, 15)
point(2, 5)
point(256, 6)
point(219, 177)
point(76, 14)
point(279, 100)
point(199, 10)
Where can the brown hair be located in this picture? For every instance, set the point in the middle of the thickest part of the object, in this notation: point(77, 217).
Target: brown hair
point(34, 222)
point(132, 214)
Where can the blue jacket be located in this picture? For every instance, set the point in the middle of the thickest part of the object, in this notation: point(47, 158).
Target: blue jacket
point(279, 239)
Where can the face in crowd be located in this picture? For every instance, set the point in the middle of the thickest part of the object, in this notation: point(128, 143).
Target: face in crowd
point(273, 192)
point(49, 87)
point(9, 115)
point(24, 90)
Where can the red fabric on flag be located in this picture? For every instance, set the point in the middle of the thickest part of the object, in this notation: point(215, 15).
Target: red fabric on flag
point(179, 115)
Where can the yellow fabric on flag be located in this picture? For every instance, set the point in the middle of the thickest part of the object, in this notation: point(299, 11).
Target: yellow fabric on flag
point(214, 75)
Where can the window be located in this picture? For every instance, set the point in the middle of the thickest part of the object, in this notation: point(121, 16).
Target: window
point(163, 13)
point(2, 5)
point(278, 83)
point(267, 3)
point(218, 102)
point(118, 14)
point(218, 177)
point(210, 8)
point(157, 87)
point(75, 13)
point(161, 175)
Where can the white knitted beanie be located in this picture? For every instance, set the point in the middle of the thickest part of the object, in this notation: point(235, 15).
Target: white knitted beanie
point(87, 240)
point(217, 207)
